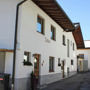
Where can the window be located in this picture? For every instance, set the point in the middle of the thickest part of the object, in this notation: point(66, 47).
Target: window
point(71, 62)
point(27, 61)
point(51, 64)
point(81, 56)
point(68, 51)
point(53, 33)
point(40, 25)
point(59, 64)
point(63, 40)
point(26, 56)
point(73, 46)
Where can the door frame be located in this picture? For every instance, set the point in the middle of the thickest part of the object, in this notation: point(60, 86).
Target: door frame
point(39, 62)
point(63, 68)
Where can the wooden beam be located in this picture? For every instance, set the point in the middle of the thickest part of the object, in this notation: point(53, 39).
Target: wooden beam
point(6, 50)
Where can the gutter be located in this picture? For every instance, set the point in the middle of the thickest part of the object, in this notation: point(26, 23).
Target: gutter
point(15, 43)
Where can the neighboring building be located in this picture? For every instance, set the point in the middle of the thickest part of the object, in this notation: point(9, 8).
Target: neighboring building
point(86, 53)
point(87, 43)
point(45, 43)
point(82, 53)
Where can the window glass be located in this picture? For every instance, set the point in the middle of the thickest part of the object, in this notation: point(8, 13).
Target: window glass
point(73, 46)
point(53, 33)
point(26, 56)
point(63, 39)
point(40, 26)
point(71, 62)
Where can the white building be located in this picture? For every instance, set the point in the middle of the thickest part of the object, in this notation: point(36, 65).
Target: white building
point(86, 54)
point(83, 63)
point(44, 42)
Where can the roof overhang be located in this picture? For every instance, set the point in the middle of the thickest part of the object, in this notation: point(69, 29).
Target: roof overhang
point(78, 36)
point(84, 49)
point(53, 9)
point(6, 50)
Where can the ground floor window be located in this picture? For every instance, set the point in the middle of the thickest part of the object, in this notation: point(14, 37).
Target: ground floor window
point(72, 62)
point(27, 58)
point(51, 64)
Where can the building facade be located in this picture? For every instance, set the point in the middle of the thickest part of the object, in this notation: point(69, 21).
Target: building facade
point(44, 45)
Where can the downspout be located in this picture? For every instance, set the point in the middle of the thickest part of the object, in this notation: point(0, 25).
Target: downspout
point(15, 43)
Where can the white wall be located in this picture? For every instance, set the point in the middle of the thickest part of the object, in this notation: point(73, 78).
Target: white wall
point(8, 62)
point(7, 22)
point(30, 40)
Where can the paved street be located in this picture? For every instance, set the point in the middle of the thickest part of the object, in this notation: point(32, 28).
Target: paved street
point(77, 82)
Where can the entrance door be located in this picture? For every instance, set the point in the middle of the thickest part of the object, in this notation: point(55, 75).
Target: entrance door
point(63, 74)
point(2, 62)
point(36, 65)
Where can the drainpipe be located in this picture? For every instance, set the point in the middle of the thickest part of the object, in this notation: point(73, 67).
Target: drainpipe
point(15, 43)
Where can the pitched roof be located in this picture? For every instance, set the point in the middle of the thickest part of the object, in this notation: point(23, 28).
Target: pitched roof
point(78, 36)
point(53, 9)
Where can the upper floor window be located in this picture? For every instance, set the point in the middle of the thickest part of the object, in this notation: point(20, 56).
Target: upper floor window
point(59, 64)
point(40, 25)
point(72, 62)
point(73, 46)
point(53, 33)
point(51, 64)
point(63, 40)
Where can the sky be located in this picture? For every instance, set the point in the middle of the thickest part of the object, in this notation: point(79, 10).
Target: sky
point(78, 11)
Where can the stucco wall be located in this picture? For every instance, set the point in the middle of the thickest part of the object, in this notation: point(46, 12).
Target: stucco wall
point(30, 40)
point(7, 22)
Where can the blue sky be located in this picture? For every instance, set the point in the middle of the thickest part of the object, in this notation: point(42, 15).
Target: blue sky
point(78, 11)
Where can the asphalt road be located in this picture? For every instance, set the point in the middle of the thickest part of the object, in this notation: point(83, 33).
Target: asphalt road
point(80, 81)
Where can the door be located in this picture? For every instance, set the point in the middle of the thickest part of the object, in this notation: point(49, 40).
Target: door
point(36, 65)
point(63, 74)
point(2, 62)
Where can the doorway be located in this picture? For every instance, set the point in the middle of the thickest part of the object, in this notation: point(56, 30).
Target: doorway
point(36, 65)
point(63, 71)
point(36, 70)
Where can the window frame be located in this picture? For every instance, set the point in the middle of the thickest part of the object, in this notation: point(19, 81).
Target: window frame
point(72, 62)
point(64, 40)
point(59, 62)
point(28, 56)
point(42, 24)
point(73, 47)
point(51, 64)
point(53, 31)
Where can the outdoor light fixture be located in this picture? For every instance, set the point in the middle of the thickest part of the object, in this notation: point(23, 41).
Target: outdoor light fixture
point(35, 60)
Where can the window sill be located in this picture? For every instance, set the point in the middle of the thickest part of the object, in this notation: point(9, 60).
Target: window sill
point(53, 39)
point(64, 44)
point(25, 63)
point(40, 33)
point(51, 71)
